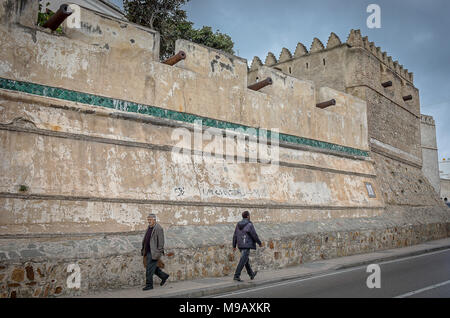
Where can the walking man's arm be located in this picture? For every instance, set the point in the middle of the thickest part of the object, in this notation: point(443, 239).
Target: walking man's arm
point(255, 237)
point(161, 242)
point(235, 238)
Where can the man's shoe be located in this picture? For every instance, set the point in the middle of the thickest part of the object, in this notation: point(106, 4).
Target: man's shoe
point(164, 280)
point(147, 288)
point(254, 274)
point(238, 279)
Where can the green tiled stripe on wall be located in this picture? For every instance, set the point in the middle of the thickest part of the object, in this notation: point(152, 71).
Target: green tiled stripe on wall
point(95, 100)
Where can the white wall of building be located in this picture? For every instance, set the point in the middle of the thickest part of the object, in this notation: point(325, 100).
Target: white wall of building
point(444, 169)
point(444, 173)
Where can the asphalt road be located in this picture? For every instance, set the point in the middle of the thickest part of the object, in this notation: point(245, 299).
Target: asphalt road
point(426, 275)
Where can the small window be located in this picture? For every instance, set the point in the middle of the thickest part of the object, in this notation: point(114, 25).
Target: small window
point(323, 61)
point(290, 70)
point(257, 78)
point(307, 65)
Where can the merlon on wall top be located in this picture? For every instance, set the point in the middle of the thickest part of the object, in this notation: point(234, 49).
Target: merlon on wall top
point(354, 40)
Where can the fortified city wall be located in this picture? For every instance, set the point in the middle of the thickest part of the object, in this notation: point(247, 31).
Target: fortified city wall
point(360, 68)
point(89, 123)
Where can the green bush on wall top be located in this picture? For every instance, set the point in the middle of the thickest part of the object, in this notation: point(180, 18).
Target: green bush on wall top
point(44, 16)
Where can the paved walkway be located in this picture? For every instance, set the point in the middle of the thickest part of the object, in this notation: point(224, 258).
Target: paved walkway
point(210, 286)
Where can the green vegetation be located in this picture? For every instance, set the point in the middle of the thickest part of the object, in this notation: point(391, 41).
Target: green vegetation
point(44, 16)
point(167, 17)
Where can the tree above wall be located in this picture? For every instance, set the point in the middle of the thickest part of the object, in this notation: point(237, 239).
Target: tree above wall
point(167, 17)
point(44, 15)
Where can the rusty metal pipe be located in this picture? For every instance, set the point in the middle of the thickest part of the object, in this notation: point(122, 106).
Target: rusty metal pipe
point(386, 84)
point(174, 59)
point(257, 86)
point(407, 98)
point(58, 18)
point(326, 104)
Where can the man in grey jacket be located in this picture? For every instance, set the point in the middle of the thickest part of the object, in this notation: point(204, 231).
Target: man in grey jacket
point(245, 238)
point(152, 250)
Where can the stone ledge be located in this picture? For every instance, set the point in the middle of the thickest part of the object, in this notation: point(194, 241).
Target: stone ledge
point(158, 112)
point(186, 237)
point(200, 252)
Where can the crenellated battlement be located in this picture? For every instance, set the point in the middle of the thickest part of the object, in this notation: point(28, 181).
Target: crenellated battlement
point(354, 40)
point(360, 68)
point(426, 119)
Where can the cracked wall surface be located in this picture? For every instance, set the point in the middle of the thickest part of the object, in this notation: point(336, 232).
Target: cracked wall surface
point(96, 132)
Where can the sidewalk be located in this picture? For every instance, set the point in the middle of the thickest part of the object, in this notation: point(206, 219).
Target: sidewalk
point(210, 286)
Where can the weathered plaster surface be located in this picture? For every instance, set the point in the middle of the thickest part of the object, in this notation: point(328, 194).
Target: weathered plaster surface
point(207, 83)
point(78, 177)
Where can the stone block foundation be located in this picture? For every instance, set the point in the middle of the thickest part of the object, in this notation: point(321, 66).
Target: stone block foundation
point(37, 267)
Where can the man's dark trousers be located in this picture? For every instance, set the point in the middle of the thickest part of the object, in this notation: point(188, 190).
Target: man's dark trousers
point(245, 253)
point(151, 269)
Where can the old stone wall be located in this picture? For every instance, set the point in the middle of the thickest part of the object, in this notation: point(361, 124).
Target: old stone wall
point(403, 184)
point(73, 159)
point(95, 133)
point(96, 58)
point(38, 267)
point(430, 158)
point(359, 68)
point(78, 139)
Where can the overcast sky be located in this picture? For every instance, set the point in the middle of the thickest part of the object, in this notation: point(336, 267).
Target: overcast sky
point(414, 32)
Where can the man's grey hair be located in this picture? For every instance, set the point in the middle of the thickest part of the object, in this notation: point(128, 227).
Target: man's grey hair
point(151, 215)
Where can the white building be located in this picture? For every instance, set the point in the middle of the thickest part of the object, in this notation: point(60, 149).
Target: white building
point(444, 169)
point(444, 174)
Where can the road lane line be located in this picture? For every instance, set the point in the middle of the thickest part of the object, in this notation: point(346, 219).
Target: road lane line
point(250, 289)
point(423, 289)
point(416, 256)
point(286, 283)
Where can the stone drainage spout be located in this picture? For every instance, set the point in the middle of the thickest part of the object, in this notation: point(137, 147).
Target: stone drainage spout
point(257, 86)
point(386, 84)
point(58, 18)
point(174, 59)
point(407, 98)
point(326, 104)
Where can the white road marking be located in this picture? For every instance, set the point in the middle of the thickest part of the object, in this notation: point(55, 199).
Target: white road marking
point(411, 257)
point(423, 289)
point(286, 283)
point(324, 275)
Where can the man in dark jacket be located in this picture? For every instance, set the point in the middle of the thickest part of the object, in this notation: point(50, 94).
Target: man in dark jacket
point(152, 250)
point(245, 238)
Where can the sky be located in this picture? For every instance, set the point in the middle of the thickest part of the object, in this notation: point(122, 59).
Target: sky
point(413, 32)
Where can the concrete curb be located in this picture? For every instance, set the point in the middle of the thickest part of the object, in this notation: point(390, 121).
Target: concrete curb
point(234, 286)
